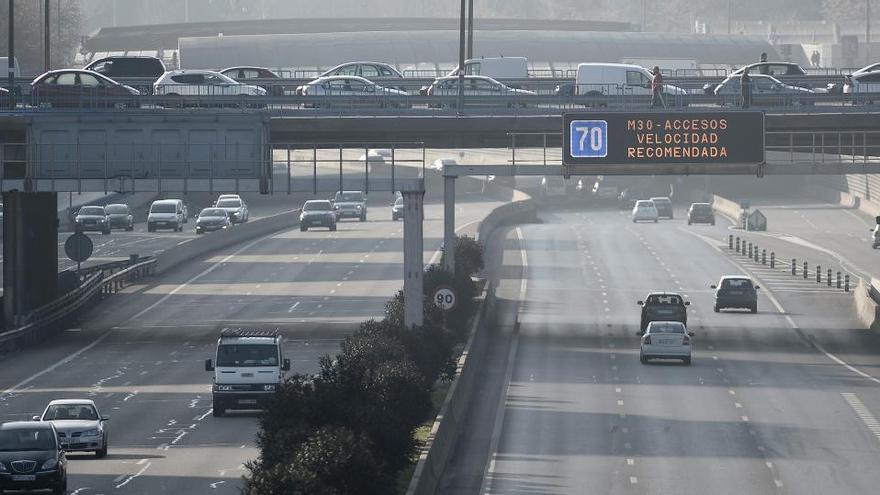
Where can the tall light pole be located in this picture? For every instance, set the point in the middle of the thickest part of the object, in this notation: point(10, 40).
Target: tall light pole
point(867, 32)
point(470, 42)
point(460, 60)
point(11, 63)
point(46, 36)
point(644, 15)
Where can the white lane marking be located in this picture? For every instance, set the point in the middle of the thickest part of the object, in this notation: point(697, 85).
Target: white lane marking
point(293, 307)
point(133, 476)
point(485, 486)
point(778, 483)
point(200, 275)
point(862, 412)
point(737, 405)
point(619, 402)
point(630, 462)
point(745, 419)
point(216, 484)
point(633, 480)
point(119, 478)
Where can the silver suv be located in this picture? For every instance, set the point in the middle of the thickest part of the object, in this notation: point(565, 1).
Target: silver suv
point(350, 204)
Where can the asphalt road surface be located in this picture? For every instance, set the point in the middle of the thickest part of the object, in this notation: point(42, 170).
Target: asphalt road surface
point(140, 353)
point(783, 401)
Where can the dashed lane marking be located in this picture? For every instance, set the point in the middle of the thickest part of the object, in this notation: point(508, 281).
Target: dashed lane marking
point(862, 412)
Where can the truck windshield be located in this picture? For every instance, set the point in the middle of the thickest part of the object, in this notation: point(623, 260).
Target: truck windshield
point(231, 355)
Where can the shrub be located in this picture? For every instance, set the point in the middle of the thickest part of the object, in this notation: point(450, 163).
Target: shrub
point(468, 255)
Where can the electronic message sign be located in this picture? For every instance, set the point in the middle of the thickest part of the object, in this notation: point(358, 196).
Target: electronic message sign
point(634, 138)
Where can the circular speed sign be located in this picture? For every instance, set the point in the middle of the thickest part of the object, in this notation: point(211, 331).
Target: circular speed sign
point(444, 297)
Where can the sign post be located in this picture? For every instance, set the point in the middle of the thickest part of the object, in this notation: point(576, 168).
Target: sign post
point(444, 297)
point(680, 142)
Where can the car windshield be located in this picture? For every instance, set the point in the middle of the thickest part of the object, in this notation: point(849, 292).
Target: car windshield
point(664, 300)
point(27, 439)
point(317, 206)
point(229, 203)
point(247, 355)
point(212, 212)
point(736, 283)
point(70, 411)
point(645, 204)
point(666, 328)
point(349, 197)
point(702, 207)
point(116, 209)
point(163, 208)
point(91, 210)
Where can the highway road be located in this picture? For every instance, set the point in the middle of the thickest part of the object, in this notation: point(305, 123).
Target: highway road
point(784, 401)
point(140, 353)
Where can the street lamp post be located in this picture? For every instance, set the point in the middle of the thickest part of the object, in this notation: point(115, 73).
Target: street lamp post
point(11, 62)
point(46, 37)
point(461, 60)
point(470, 42)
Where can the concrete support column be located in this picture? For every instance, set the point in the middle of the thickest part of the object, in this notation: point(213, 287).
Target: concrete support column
point(449, 223)
point(413, 259)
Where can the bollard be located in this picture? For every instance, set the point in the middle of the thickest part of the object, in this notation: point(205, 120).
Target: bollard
point(756, 254)
point(846, 283)
point(838, 280)
point(737, 244)
point(730, 242)
point(750, 250)
point(763, 256)
point(794, 266)
point(806, 271)
point(818, 274)
point(772, 259)
point(828, 277)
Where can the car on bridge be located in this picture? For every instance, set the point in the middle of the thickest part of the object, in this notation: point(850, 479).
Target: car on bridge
point(120, 216)
point(225, 196)
point(92, 218)
point(31, 457)
point(211, 219)
point(236, 208)
point(76, 88)
point(665, 340)
point(736, 291)
point(701, 213)
point(139, 71)
point(766, 91)
point(80, 425)
point(786, 72)
point(644, 211)
point(484, 86)
point(358, 90)
point(317, 213)
point(202, 83)
point(367, 70)
point(350, 204)
point(663, 306)
point(257, 76)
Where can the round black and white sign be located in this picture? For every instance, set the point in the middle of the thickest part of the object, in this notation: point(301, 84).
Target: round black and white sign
point(444, 297)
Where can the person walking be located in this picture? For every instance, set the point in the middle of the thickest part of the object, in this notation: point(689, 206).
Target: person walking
point(657, 88)
point(745, 84)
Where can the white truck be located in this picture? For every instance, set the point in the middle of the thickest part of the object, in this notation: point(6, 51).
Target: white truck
point(495, 67)
point(249, 368)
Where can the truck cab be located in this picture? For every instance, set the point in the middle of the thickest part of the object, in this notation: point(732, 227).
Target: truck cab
point(248, 367)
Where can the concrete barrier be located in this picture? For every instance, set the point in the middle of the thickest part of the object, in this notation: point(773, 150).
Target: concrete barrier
point(867, 309)
point(728, 208)
point(448, 424)
point(211, 242)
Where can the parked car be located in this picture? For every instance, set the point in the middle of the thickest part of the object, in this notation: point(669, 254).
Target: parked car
point(474, 86)
point(397, 209)
point(120, 216)
point(92, 218)
point(663, 306)
point(736, 291)
point(167, 214)
point(786, 72)
point(863, 87)
point(202, 83)
point(701, 213)
point(766, 91)
point(236, 208)
point(615, 80)
point(367, 70)
point(664, 207)
point(350, 204)
point(142, 67)
point(211, 219)
point(317, 213)
point(80, 425)
point(258, 76)
point(665, 340)
point(81, 89)
point(644, 210)
point(31, 457)
point(366, 91)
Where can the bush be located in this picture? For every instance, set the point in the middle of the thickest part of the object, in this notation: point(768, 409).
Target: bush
point(289, 418)
point(468, 255)
point(332, 461)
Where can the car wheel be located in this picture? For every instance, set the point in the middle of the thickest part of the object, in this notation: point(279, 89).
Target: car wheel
point(60, 489)
point(102, 452)
point(687, 361)
point(333, 228)
point(716, 309)
point(303, 229)
point(219, 410)
point(643, 359)
point(754, 308)
point(656, 220)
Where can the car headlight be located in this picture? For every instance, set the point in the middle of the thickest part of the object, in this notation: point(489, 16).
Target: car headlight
point(269, 388)
point(2, 468)
point(90, 433)
point(335, 207)
point(50, 464)
point(358, 207)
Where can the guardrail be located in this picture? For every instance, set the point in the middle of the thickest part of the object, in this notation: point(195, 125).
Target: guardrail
point(36, 324)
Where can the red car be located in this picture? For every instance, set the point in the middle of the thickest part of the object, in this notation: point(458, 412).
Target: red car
point(81, 89)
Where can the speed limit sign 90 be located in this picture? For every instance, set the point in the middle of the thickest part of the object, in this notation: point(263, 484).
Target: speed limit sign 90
point(444, 297)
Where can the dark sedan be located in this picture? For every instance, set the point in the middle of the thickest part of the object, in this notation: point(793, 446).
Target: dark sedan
point(211, 219)
point(120, 217)
point(92, 218)
point(701, 213)
point(31, 457)
point(736, 292)
point(662, 306)
point(81, 89)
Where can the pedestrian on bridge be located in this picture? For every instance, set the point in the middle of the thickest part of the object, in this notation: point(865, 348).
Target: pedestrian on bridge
point(657, 88)
point(745, 84)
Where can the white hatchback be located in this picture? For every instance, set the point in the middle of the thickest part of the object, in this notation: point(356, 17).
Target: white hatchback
point(202, 83)
point(644, 210)
point(665, 340)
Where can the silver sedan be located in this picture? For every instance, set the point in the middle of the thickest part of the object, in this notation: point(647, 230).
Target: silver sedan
point(665, 340)
point(80, 427)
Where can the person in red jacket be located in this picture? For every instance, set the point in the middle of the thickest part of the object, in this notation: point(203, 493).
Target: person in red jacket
point(657, 88)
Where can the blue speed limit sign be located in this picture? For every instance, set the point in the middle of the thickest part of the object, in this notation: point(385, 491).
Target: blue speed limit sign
point(444, 297)
point(589, 138)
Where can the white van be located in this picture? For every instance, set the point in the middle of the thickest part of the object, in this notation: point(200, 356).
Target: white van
point(598, 79)
point(495, 67)
point(166, 214)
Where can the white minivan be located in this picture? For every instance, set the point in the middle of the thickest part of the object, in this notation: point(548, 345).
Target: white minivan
point(601, 79)
point(166, 214)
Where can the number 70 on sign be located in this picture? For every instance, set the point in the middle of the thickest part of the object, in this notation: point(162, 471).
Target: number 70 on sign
point(589, 138)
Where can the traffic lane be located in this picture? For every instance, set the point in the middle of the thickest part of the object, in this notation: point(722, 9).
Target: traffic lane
point(783, 342)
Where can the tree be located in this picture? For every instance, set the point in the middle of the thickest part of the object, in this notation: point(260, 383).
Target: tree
point(64, 31)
